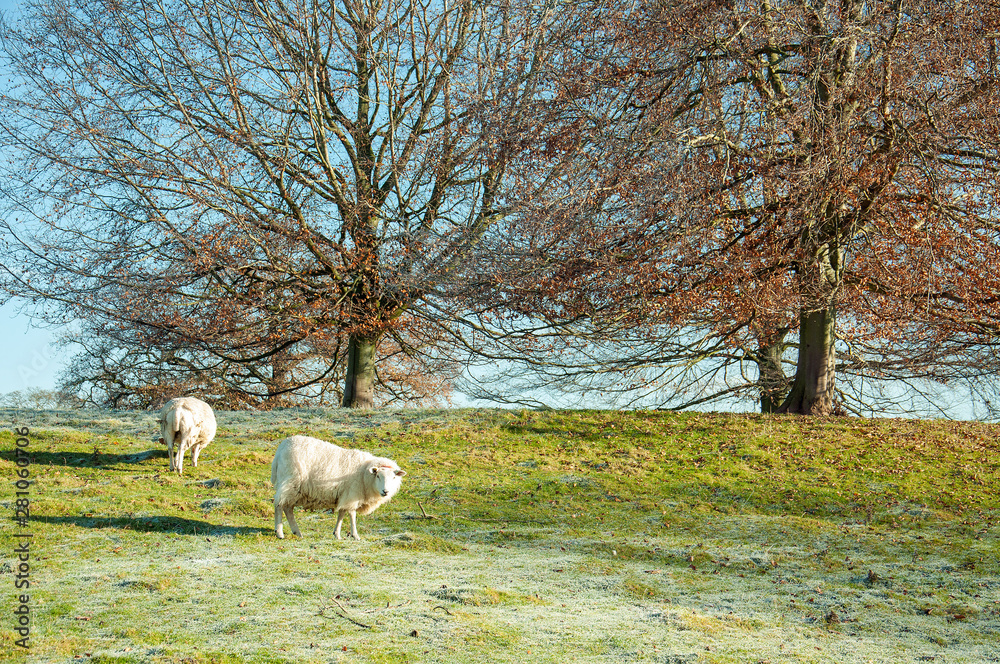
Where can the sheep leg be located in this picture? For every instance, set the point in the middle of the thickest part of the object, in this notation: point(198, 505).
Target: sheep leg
point(291, 521)
point(277, 522)
point(194, 455)
point(180, 459)
point(354, 525)
point(340, 519)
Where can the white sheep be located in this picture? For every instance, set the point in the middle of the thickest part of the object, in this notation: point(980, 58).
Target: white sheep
point(314, 474)
point(186, 423)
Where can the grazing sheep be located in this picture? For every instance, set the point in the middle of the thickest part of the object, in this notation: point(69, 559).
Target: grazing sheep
point(186, 422)
point(313, 474)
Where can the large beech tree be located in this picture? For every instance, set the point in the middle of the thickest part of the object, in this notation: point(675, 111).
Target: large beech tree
point(776, 176)
point(245, 178)
point(854, 143)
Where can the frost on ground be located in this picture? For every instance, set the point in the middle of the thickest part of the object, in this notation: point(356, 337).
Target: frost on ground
point(551, 598)
point(134, 566)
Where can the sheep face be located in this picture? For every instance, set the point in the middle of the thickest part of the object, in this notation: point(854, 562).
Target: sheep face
point(387, 480)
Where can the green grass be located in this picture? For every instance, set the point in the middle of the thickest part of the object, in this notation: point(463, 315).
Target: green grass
point(578, 536)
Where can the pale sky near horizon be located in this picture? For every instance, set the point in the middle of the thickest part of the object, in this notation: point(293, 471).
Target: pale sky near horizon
point(28, 358)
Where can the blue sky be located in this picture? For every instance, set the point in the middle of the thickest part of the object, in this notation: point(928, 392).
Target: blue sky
point(26, 356)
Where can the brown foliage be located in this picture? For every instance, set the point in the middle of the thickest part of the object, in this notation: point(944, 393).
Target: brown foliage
point(753, 170)
point(244, 180)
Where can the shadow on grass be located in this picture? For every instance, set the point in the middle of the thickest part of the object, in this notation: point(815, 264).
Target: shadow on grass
point(153, 524)
point(95, 459)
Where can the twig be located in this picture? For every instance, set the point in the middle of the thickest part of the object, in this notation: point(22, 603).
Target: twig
point(426, 515)
point(445, 610)
point(388, 606)
point(344, 615)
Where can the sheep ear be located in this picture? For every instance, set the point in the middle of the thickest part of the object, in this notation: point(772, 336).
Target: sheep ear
point(373, 470)
point(400, 473)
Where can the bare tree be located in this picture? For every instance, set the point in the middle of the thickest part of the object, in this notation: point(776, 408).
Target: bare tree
point(245, 178)
point(776, 177)
point(39, 399)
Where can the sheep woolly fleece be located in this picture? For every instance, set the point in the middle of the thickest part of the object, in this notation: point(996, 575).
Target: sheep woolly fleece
point(186, 423)
point(314, 474)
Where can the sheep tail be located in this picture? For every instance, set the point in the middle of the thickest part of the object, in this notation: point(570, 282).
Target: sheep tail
point(173, 422)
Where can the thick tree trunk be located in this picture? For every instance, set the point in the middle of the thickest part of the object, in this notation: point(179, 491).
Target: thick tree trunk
point(812, 391)
point(359, 387)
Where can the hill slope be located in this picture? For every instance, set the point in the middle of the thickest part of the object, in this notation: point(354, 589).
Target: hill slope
point(518, 536)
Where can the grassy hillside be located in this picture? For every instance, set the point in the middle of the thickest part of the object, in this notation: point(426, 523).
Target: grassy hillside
point(518, 536)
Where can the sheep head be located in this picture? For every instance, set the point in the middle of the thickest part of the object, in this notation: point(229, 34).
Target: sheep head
point(387, 480)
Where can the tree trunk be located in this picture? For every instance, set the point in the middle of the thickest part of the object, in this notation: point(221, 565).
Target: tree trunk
point(812, 390)
point(771, 379)
point(359, 387)
point(278, 382)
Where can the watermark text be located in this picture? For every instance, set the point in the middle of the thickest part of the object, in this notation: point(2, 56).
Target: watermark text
point(22, 546)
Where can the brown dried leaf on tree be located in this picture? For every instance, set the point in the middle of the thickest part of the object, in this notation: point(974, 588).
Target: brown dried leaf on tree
point(756, 173)
point(284, 191)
